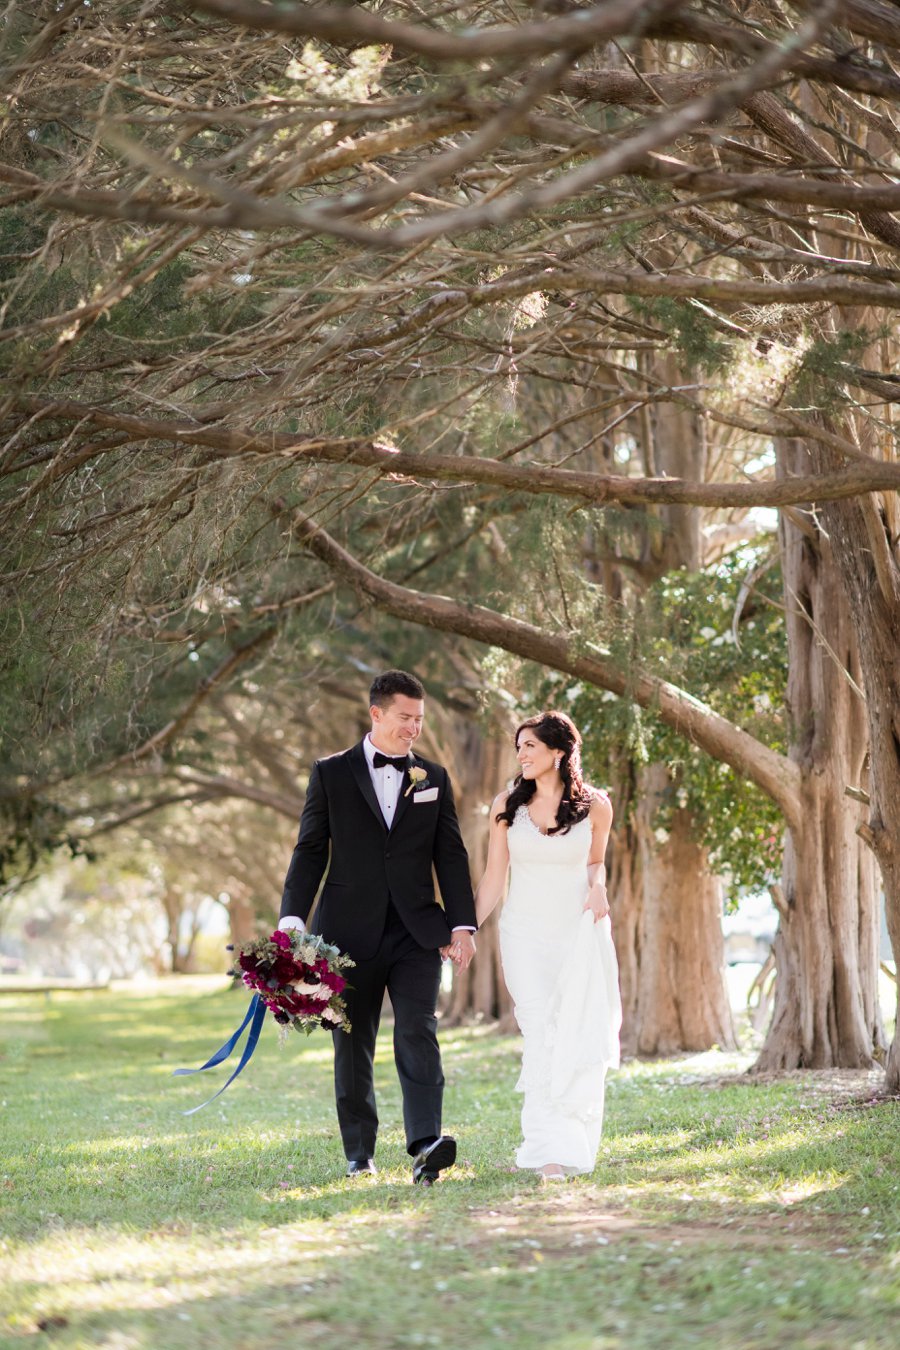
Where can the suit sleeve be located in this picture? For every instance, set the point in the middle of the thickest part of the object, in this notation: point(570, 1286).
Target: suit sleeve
point(451, 863)
point(311, 852)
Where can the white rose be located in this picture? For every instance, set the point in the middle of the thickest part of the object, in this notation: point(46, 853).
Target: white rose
point(301, 987)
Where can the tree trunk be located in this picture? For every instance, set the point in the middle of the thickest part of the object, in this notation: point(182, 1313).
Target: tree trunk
point(826, 1007)
point(666, 904)
point(242, 920)
point(479, 761)
point(682, 997)
point(826, 1011)
point(863, 538)
point(180, 957)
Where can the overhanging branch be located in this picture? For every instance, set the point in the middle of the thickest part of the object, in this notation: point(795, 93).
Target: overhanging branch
point(155, 744)
point(591, 489)
point(351, 26)
point(772, 772)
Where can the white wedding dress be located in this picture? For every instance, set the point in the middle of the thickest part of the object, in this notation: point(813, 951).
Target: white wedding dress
point(560, 968)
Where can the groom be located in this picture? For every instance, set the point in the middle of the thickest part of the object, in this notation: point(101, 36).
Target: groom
point(377, 818)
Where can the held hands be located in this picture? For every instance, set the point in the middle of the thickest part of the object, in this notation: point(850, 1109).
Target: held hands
point(597, 902)
point(461, 949)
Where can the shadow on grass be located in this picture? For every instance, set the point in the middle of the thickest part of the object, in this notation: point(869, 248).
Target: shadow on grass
point(237, 1228)
point(425, 1279)
point(234, 1174)
point(100, 1131)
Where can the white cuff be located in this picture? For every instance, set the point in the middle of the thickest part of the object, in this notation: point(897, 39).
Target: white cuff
point(462, 928)
point(291, 921)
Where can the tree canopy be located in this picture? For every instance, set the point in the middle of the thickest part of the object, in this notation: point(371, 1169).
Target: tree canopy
point(457, 314)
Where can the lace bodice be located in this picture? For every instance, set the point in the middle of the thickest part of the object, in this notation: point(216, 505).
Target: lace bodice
point(548, 871)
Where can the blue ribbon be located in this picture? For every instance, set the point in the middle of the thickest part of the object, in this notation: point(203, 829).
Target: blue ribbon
point(255, 1016)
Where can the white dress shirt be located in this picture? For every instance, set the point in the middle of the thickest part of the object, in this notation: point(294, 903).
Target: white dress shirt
point(388, 783)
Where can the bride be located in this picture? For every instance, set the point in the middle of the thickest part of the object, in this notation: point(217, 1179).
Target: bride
point(556, 948)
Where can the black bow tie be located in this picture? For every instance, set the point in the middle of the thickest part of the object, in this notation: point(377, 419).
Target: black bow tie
point(399, 762)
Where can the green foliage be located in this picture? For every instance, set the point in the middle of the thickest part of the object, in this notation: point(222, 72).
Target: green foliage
point(32, 828)
point(50, 284)
point(694, 335)
point(72, 699)
point(20, 234)
point(683, 632)
point(159, 308)
point(821, 375)
point(69, 704)
point(159, 312)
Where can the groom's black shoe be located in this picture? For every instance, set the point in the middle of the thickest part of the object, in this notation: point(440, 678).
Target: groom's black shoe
point(364, 1167)
point(432, 1160)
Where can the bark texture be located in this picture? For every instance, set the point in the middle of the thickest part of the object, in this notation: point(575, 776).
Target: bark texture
point(826, 1008)
point(864, 538)
point(667, 902)
point(682, 999)
point(479, 764)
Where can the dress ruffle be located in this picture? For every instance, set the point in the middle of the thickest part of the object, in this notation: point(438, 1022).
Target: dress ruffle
point(583, 1021)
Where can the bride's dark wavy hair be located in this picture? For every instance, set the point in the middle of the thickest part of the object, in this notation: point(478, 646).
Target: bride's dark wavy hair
point(559, 732)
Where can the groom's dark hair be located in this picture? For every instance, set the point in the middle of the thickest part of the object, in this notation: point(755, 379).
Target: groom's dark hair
point(385, 687)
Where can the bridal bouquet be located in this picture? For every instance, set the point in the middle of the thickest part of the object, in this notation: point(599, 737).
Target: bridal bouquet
point(297, 975)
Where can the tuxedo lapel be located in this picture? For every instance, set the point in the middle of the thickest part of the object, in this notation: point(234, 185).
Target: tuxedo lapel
point(404, 798)
point(360, 768)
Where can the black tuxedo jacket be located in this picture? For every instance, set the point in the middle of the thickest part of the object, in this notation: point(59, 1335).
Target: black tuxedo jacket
point(343, 831)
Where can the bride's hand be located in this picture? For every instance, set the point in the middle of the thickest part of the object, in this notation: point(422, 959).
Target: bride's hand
point(597, 902)
point(462, 948)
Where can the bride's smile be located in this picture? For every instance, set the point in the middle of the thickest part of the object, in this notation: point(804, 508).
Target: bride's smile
point(535, 758)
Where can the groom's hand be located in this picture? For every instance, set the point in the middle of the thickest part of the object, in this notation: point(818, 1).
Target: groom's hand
point(462, 948)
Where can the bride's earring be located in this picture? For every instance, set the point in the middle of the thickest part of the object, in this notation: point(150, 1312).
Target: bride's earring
point(557, 761)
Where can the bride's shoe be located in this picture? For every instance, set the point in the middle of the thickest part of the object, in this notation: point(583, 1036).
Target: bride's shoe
point(552, 1172)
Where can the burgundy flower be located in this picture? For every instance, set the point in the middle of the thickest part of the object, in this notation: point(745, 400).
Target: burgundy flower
point(270, 967)
point(307, 1005)
point(282, 970)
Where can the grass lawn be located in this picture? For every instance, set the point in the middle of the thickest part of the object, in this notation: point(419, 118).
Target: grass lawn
point(723, 1212)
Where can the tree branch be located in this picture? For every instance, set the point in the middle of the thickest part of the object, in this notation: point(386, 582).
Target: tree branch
point(143, 808)
point(589, 488)
point(346, 26)
point(223, 785)
point(622, 88)
point(872, 18)
point(155, 743)
point(772, 772)
point(244, 210)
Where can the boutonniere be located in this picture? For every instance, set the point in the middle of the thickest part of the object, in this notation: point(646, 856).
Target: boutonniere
point(418, 777)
